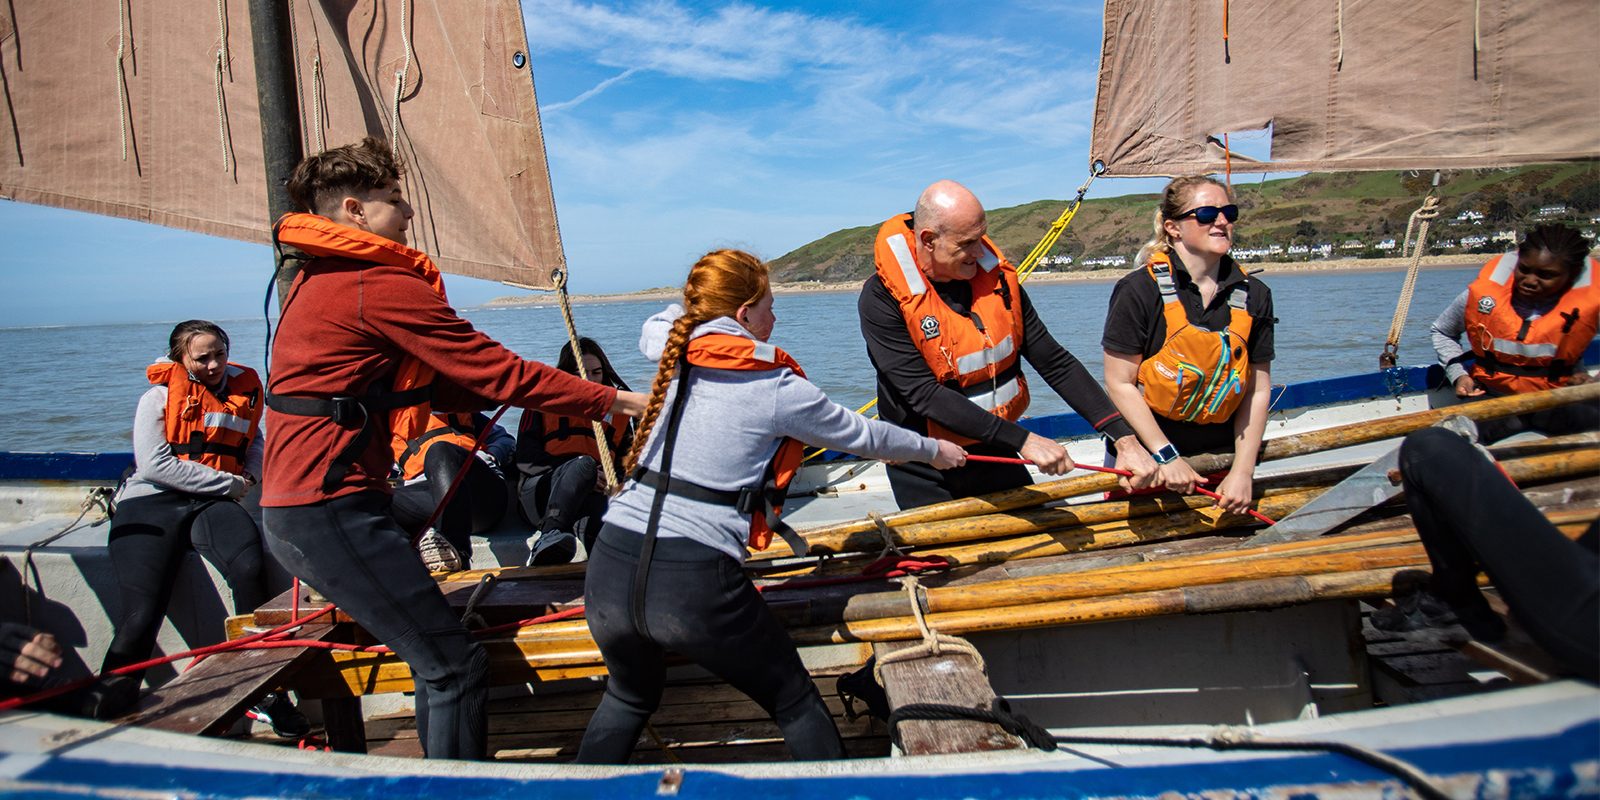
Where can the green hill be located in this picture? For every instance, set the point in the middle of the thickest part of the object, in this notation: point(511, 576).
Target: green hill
point(1318, 208)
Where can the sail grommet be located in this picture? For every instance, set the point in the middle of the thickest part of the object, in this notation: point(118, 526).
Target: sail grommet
point(519, 60)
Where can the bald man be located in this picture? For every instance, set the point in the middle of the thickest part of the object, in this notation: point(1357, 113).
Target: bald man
point(947, 328)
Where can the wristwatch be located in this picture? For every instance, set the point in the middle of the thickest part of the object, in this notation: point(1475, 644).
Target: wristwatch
point(1166, 455)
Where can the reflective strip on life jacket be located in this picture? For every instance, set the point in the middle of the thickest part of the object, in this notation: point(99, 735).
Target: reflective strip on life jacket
point(972, 362)
point(222, 419)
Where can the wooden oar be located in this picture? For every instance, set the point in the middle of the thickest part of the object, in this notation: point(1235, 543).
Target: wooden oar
point(1281, 447)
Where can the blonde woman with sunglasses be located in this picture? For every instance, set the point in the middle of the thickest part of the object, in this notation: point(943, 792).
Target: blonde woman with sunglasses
point(1188, 343)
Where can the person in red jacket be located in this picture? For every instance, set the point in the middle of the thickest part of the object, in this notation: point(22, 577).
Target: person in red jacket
point(367, 347)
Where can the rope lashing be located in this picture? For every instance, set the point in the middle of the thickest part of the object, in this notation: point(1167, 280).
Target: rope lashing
point(317, 125)
point(1420, 220)
point(122, 71)
point(222, 67)
point(400, 78)
point(1114, 471)
point(998, 713)
point(1339, 29)
point(934, 644)
point(602, 443)
point(884, 532)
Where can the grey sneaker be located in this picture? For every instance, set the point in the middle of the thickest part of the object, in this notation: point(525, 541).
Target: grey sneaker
point(438, 555)
point(553, 548)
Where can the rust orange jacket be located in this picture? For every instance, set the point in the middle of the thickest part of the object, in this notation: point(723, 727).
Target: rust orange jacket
point(1199, 375)
point(1516, 355)
point(202, 427)
point(983, 363)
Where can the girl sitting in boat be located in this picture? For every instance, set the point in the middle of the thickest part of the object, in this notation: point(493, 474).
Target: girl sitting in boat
point(665, 573)
point(429, 464)
point(562, 489)
point(1528, 317)
point(1188, 343)
point(197, 445)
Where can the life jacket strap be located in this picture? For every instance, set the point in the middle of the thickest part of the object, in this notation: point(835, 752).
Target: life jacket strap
point(348, 411)
point(1556, 369)
point(197, 446)
point(747, 500)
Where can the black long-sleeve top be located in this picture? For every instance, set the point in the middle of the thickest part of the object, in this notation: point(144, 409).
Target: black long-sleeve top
point(908, 394)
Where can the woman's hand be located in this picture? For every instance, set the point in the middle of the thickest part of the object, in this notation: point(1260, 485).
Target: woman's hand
point(1579, 377)
point(950, 455)
point(1236, 492)
point(1178, 476)
point(630, 404)
point(1133, 457)
point(1467, 387)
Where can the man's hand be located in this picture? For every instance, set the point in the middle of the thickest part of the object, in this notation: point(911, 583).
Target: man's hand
point(950, 455)
point(27, 655)
point(1132, 457)
point(1235, 492)
point(630, 404)
point(1467, 387)
point(1047, 454)
point(1579, 377)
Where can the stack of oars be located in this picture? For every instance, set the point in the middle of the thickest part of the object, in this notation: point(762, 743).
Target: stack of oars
point(979, 534)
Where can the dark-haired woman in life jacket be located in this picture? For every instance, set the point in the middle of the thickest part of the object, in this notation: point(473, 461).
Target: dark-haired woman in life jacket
point(197, 444)
point(1528, 317)
point(1188, 343)
point(429, 464)
point(717, 445)
point(562, 489)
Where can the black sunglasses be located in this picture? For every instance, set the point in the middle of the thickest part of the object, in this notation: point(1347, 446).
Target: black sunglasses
point(1205, 215)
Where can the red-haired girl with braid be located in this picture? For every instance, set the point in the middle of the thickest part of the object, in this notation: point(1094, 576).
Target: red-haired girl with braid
point(727, 418)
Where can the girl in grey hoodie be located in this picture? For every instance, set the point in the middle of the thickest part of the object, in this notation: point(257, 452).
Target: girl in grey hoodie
point(697, 600)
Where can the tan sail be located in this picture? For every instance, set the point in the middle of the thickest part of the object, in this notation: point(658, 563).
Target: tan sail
point(1347, 84)
point(147, 109)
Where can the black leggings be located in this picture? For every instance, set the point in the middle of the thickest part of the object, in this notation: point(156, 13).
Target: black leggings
point(1471, 518)
point(149, 537)
point(563, 498)
point(700, 605)
point(351, 549)
point(478, 505)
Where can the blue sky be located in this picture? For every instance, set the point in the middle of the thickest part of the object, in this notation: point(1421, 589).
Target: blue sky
point(674, 128)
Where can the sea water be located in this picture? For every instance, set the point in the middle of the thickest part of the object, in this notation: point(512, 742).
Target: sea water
point(74, 388)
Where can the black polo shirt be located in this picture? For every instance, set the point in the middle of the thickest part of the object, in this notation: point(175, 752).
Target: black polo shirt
point(1136, 324)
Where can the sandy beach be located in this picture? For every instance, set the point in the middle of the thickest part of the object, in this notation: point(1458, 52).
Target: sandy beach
point(1089, 276)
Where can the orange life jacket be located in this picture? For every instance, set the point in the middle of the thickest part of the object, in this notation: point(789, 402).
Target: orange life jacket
point(563, 435)
point(1515, 355)
point(982, 362)
point(406, 401)
point(1198, 375)
point(455, 428)
point(726, 351)
point(200, 426)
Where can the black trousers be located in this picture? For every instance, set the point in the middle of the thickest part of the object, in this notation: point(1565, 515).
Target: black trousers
point(563, 498)
point(351, 549)
point(917, 484)
point(479, 504)
point(1471, 518)
point(701, 605)
point(148, 539)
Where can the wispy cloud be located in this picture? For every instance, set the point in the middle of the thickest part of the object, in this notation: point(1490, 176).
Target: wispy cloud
point(595, 90)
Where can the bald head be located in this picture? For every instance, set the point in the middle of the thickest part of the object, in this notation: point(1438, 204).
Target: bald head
point(950, 226)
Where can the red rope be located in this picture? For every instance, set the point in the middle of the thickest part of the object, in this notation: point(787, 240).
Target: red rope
point(477, 444)
point(1114, 471)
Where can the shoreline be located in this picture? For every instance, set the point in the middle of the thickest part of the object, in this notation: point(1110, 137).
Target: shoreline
point(1038, 278)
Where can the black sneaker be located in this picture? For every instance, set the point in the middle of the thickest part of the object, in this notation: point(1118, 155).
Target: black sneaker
point(553, 548)
point(111, 697)
point(279, 712)
point(1419, 614)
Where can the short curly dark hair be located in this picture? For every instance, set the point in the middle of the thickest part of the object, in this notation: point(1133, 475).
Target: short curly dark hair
point(1569, 247)
point(320, 181)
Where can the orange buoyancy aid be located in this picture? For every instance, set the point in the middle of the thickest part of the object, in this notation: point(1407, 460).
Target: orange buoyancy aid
point(765, 503)
point(979, 355)
point(1198, 375)
point(202, 427)
point(407, 399)
point(456, 428)
point(574, 436)
point(1517, 355)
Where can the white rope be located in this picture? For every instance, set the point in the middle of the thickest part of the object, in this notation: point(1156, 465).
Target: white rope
point(222, 105)
point(1420, 220)
point(400, 81)
point(1477, 41)
point(934, 644)
point(122, 72)
point(317, 132)
point(1340, 29)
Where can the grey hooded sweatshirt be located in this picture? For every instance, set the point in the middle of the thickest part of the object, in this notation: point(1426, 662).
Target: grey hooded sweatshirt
point(731, 428)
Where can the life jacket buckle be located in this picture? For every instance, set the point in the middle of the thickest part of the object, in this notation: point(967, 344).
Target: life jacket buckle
point(347, 411)
point(750, 500)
